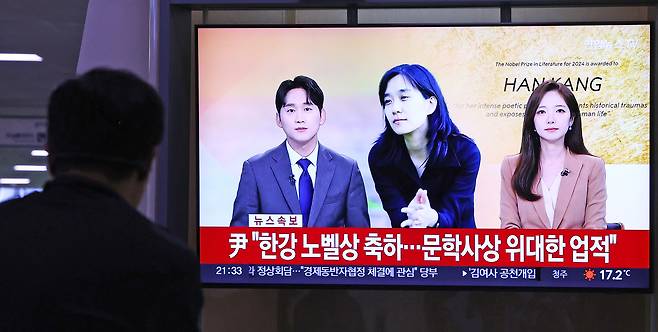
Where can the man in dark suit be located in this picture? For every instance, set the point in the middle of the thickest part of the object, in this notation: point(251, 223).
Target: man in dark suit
point(78, 256)
point(301, 176)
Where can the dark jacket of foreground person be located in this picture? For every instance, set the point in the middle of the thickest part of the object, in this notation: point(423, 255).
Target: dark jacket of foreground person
point(79, 257)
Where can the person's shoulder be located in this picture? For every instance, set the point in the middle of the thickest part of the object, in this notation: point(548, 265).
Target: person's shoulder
point(511, 159)
point(590, 160)
point(335, 156)
point(462, 141)
point(277, 151)
point(375, 150)
point(174, 245)
point(118, 219)
point(165, 253)
point(162, 247)
point(379, 153)
point(20, 201)
point(18, 207)
point(510, 162)
point(12, 203)
point(464, 147)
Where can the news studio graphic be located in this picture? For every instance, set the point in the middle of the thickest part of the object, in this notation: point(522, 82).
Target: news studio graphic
point(486, 77)
point(536, 258)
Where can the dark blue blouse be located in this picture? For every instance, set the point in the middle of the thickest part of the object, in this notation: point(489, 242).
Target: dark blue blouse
point(450, 182)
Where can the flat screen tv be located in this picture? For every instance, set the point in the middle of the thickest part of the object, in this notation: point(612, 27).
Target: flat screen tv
point(260, 225)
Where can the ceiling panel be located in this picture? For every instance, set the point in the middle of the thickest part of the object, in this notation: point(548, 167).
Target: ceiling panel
point(53, 30)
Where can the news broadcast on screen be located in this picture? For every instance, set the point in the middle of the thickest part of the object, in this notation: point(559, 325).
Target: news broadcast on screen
point(506, 156)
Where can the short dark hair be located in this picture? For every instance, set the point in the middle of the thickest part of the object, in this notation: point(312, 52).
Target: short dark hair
point(105, 120)
point(312, 89)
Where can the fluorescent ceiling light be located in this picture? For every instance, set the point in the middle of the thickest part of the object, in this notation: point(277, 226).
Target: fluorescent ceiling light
point(30, 168)
point(14, 181)
point(39, 153)
point(20, 57)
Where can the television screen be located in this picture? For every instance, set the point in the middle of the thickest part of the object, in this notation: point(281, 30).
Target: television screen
point(561, 199)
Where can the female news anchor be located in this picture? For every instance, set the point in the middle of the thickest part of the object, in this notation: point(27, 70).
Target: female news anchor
point(424, 169)
point(554, 182)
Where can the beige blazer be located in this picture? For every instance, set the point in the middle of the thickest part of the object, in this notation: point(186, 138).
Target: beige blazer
point(580, 201)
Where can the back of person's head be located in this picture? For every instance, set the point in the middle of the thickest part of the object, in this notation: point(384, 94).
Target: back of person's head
point(313, 91)
point(107, 121)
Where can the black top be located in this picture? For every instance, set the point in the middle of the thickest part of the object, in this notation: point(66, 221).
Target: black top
point(450, 182)
point(78, 257)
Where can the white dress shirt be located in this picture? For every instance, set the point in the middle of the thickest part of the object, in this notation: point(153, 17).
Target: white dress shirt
point(297, 170)
point(550, 196)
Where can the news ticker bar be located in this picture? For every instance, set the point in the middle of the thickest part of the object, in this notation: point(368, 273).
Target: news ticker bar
point(227, 274)
point(425, 247)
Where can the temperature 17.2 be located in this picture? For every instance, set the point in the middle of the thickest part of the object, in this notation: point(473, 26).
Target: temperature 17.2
point(614, 274)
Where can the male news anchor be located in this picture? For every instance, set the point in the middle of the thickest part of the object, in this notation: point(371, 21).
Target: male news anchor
point(301, 176)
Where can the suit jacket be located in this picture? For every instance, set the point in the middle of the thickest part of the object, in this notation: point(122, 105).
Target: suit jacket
point(339, 198)
point(580, 202)
point(450, 183)
point(78, 257)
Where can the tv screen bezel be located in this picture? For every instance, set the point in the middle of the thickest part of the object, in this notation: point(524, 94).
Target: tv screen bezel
point(652, 119)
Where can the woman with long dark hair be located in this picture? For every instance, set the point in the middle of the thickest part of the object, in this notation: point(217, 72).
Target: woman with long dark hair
point(554, 182)
point(424, 169)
